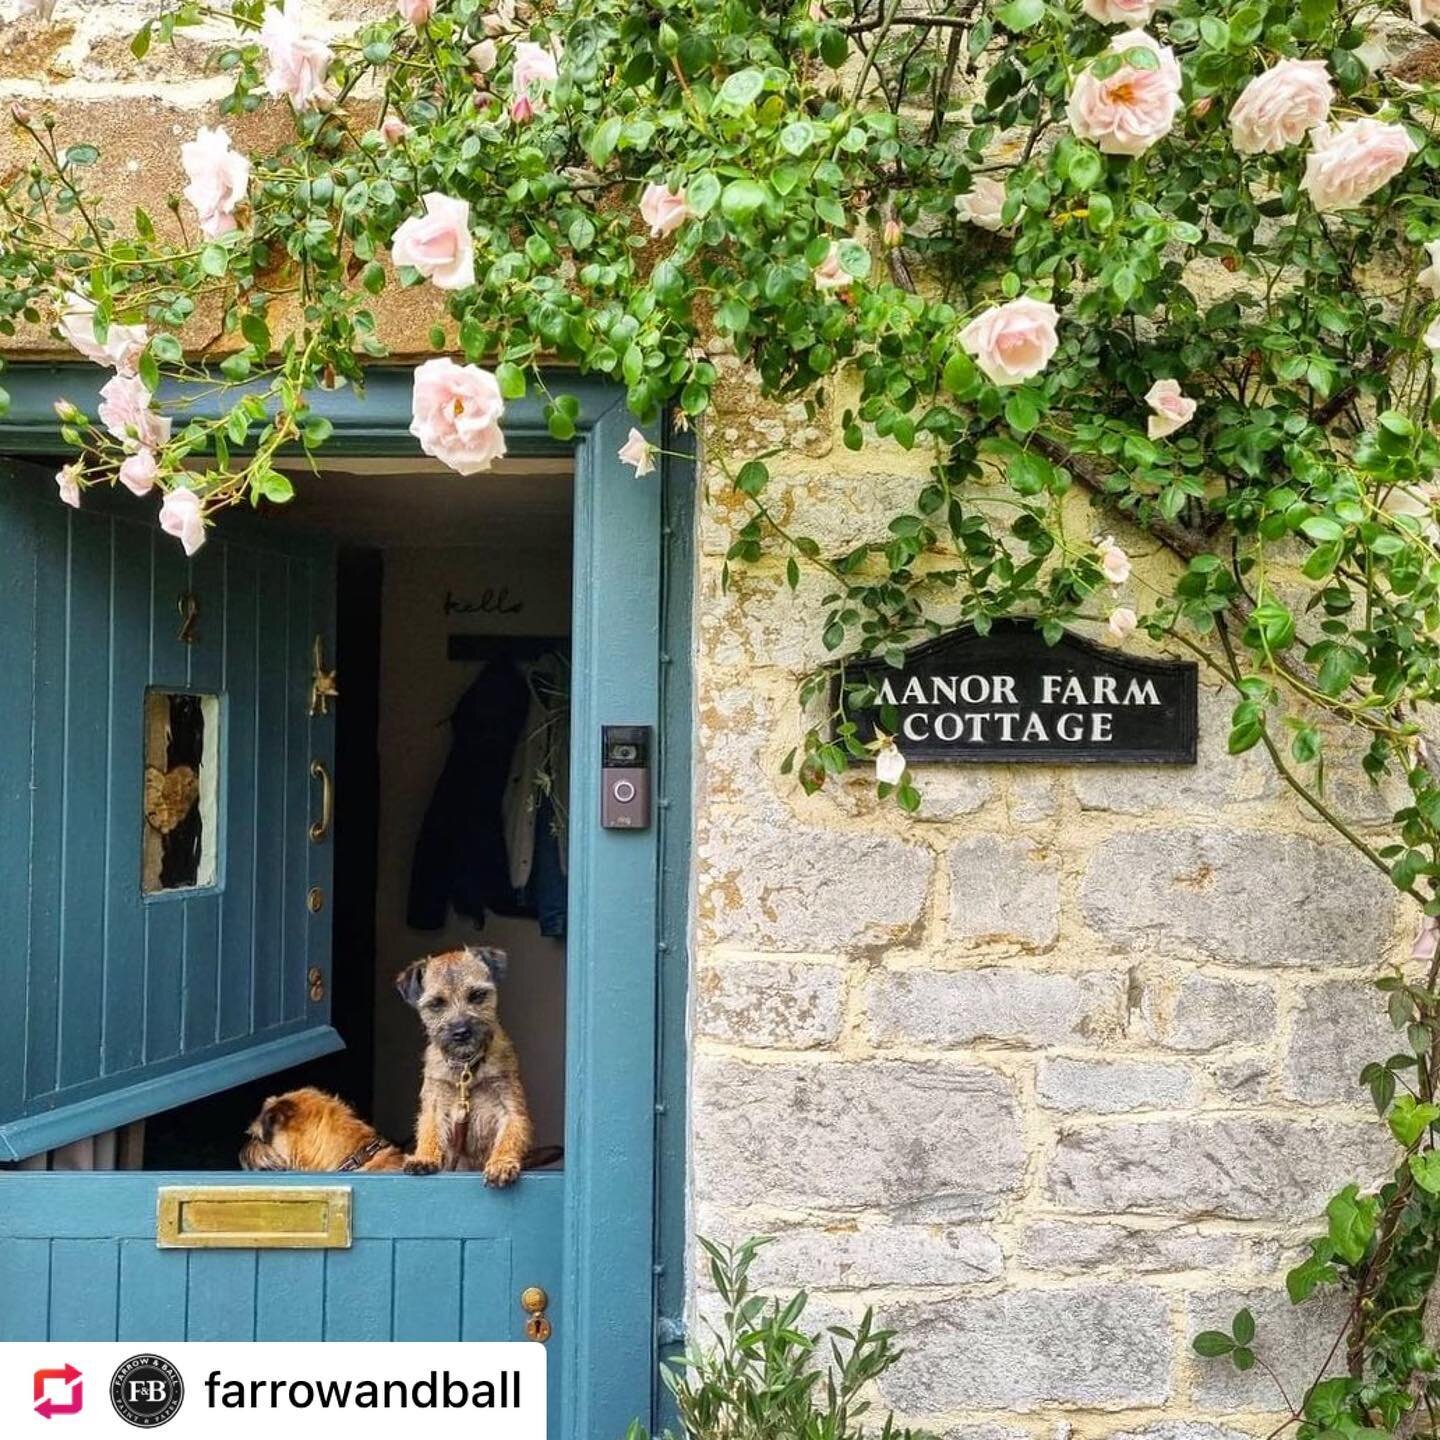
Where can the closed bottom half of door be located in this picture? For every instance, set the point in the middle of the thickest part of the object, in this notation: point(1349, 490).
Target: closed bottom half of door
point(439, 1258)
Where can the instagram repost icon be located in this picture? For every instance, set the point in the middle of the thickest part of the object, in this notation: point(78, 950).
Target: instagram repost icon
point(146, 1391)
point(48, 1382)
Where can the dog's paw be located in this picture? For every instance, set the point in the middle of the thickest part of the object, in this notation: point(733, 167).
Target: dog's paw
point(414, 1166)
point(502, 1172)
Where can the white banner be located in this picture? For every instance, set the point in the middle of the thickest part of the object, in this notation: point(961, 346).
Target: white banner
point(73, 1391)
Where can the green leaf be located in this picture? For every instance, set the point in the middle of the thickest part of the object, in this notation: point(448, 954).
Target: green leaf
point(1085, 168)
point(742, 88)
point(854, 258)
point(741, 198)
point(702, 192)
point(753, 478)
point(166, 349)
point(140, 45)
point(1243, 1327)
point(1212, 1344)
point(275, 487)
point(1322, 528)
point(315, 431)
point(834, 47)
point(1409, 1119)
point(796, 138)
point(1425, 1169)
point(1352, 1223)
point(960, 374)
point(603, 140)
point(1019, 15)
point(1303, 1279)
point(511, 379)
point(1021, 411)
point(214, 260)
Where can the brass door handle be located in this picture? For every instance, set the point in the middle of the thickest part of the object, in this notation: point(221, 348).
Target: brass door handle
point(320, 828)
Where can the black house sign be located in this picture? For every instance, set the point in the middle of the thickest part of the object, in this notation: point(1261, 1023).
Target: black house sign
point(1008, 696)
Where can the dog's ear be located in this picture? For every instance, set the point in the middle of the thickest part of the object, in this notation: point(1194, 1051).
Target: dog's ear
point(496, 961)
point(410, 982)
point(278, 1110)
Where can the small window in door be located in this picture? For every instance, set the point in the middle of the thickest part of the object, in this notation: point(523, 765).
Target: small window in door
point(182, 732)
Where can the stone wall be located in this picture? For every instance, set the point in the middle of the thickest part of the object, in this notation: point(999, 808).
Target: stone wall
point(1055, 1075)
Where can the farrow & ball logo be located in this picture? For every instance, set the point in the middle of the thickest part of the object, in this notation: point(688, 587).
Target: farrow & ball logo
point(146, 1391)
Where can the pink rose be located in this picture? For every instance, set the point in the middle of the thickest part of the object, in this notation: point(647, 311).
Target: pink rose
point(125, 412)
point(1351, 161)
point(637, 451)
point(123, 343)
point(534, 72)
point(522, 109)
point(1430, 275)
point(1431, 338)
point(1425, 12)
point(393, 129)
point(415, 12)
point(67, 481)
point(982, 203)
point(457, 410)
point(1276, 109)
point(1122, 623)
point(438, 244)
point(1114, 562)
point(183, 516)
point(1127, 112)
point(664, 210)
point(298, 62)
point(219, 179)
point(830, 274)
point(1013, 341)
point(1172, 409)
point(139, 472)
point(1120, 12)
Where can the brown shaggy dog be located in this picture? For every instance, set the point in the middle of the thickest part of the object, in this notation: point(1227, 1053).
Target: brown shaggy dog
point(473, 1114)
point(310, 1130)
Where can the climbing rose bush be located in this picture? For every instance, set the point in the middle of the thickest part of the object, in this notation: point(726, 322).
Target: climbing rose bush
point(1183, 260)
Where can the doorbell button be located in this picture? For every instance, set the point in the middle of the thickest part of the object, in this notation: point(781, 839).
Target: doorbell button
point(625, 752)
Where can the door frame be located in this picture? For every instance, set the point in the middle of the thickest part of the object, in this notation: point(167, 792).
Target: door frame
point(626, 1092)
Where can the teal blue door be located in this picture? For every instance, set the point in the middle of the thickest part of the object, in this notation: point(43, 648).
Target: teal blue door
point(138, 992)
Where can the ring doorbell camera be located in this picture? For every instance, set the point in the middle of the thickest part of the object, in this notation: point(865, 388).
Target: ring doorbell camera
point(625, 777)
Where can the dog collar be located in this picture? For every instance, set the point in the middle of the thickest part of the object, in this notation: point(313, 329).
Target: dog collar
point(356, 1158)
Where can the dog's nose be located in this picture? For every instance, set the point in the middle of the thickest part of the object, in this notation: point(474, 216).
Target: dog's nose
point(462, 1032)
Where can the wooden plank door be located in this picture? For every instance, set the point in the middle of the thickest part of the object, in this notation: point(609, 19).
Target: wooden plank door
point(144, 690)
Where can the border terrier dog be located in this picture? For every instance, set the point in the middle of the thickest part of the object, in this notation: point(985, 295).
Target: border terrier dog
point(473, 1114)
point(310, 1130)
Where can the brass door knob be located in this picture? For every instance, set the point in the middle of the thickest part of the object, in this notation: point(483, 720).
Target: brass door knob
point(534, 1302)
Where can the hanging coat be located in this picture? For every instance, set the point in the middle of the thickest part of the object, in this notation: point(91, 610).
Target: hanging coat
point(460, 858)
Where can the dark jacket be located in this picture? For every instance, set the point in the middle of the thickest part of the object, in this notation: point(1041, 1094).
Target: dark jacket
point(460, 858)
